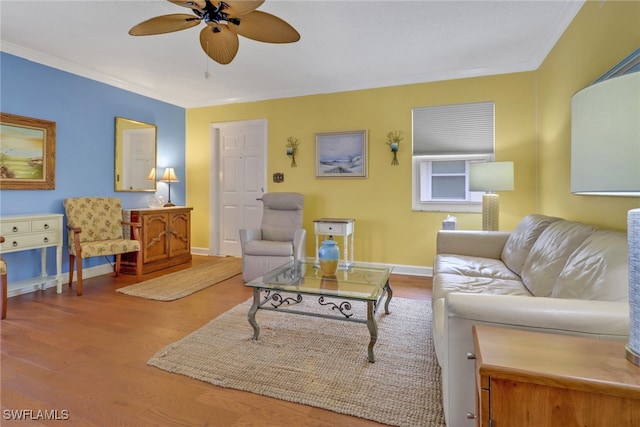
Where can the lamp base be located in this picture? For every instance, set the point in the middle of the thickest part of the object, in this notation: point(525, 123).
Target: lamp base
point(490, 211)
point(168, 204)
point(632, 356)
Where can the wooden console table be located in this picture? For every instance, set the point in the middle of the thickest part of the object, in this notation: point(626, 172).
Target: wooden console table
point(531, 379)
point(344, 227)
point(37, 231)
point(166, 239)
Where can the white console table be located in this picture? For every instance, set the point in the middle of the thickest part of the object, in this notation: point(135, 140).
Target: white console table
point(36, 231)
point(344, 227)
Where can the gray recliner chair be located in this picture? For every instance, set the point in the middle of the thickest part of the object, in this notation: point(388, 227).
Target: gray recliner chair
point(280, 238)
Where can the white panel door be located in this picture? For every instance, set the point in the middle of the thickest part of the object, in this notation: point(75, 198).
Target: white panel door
point(242, 180)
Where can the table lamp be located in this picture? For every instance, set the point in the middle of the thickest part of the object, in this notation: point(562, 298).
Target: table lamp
point(169, 176)
point(491, 177)
point(152, 175)
point(605, 153)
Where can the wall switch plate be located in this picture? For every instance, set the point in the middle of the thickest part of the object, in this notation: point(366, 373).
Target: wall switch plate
point(278, 177)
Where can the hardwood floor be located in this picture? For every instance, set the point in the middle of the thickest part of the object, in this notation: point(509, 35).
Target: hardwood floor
point(85, 358)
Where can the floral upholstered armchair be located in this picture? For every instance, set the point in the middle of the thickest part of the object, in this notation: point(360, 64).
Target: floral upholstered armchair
point(95, 229)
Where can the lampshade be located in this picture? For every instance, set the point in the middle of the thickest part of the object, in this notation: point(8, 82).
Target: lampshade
point(152, 175)
point(491, 176)
point(169, 176)
point(605, 138)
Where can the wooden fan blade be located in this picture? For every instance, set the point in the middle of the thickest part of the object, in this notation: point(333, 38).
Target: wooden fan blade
point(222, 45)
point(191, 4)
point(264, 27)
point(241, 7)
point(165, 24)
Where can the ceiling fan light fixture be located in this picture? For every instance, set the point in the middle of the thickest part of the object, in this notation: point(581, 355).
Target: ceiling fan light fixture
point(219, 39)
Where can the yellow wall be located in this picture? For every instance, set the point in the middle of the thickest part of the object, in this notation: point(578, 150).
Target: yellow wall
point(387, 230)
point(599, 37)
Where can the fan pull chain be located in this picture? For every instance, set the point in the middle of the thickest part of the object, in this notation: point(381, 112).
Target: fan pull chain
point(206, 72)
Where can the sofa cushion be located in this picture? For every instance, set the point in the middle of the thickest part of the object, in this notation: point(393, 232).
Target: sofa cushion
point(597, 270)
point(444, 284)
point(550, 253)
point(472, 266)
point(519, 244)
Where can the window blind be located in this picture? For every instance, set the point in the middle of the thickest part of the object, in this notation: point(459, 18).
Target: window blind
point(458, 129)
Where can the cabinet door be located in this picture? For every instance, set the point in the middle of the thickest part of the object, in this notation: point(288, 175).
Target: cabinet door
point(180, 235)
point(155, 237)
point(518, 403)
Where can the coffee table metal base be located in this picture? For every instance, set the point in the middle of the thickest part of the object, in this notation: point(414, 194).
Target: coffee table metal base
point(275, 301)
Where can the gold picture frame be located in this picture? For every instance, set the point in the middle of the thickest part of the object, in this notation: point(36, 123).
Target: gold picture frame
point(27, 153)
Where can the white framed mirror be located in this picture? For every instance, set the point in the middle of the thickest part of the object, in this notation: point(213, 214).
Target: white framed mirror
point(136, 146)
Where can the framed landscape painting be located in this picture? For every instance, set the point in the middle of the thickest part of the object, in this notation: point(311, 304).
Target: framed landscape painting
point(27, 153)
point(341, 154)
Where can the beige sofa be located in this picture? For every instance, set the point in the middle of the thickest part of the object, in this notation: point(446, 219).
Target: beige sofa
point(549, 275)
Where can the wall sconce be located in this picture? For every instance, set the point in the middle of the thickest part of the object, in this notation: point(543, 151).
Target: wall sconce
point(169, 176)
point(490, 177)
point(292, 149)
point(393, 141)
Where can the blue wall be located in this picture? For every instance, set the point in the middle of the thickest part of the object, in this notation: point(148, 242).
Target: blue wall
point(84, 111)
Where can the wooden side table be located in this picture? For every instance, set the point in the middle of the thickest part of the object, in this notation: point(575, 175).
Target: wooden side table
point(532, 379)
point(344, 227)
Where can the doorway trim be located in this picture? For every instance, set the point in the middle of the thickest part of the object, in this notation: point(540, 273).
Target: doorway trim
point(215, 176)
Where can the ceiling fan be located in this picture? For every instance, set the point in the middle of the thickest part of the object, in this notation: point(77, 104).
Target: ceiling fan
point(225, 21)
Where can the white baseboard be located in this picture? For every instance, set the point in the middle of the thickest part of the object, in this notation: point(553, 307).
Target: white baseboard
point(409, 270)
point(25, 286)
point(200, 251)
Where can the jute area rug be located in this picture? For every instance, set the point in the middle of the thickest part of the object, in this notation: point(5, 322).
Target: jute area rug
point(185, 282)
point(321, 362)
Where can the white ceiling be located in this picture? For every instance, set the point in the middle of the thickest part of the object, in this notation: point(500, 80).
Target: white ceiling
point(344, 45)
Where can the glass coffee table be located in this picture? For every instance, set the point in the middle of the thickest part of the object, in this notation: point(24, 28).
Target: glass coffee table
point(283, 288)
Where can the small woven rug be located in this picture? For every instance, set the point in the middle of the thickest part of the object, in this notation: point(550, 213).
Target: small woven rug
point(181, 283)
point(321, 362)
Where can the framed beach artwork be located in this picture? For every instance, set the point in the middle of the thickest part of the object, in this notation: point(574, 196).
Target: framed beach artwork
point(341, 154)
point(27, 153)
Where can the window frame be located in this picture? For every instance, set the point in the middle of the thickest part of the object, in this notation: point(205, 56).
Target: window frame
point(422, 177)
point(453, 132)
